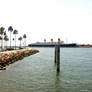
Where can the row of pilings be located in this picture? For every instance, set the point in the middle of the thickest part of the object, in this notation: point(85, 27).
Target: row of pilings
point(13, 56)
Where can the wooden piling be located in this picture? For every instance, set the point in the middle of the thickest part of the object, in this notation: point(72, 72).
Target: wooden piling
point(55, 54)
point(57, 57)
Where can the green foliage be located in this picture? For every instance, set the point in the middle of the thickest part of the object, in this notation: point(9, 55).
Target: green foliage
point(2, 30)
point(6, 38)
point(15, 32)
point(10, 28)
point(0, 38)
point(20, 38)
point(24, 36)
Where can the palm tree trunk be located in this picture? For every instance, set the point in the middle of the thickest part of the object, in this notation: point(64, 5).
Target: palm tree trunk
point(2, 43)
point(10, 39)
point(25, 42)
point(6, 44)
point(15, 41)
point(20, 43)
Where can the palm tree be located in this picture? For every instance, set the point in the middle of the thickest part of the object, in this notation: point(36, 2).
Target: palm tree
point(13, 42)
point(24, 36)
point(2, 32)
point(15, 32)
point(10, 29)
point(6, 39)
point(1, 40)
point(20, 39)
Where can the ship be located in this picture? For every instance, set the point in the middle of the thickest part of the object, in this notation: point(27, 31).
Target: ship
point(52, 44)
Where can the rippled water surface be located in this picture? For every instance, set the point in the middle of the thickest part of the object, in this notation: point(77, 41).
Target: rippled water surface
point(37, 73)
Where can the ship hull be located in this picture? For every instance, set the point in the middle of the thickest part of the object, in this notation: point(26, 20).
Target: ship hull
point(52, 45)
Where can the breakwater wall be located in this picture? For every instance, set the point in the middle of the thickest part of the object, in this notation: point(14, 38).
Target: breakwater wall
point(8, 58)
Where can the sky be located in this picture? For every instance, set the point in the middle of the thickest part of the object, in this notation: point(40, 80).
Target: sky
point(69, 20)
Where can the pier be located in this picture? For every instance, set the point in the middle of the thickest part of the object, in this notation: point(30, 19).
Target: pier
point(9, 57)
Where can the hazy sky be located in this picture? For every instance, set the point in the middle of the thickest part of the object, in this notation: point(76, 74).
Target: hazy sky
point(70, 20)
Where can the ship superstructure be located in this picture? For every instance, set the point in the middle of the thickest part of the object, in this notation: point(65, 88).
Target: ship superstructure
point(52, 44)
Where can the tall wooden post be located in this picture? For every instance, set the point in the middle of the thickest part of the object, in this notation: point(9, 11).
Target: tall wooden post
point(55, 53)
point(58, 58)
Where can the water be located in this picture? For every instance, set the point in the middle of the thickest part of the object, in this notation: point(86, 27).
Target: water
point(37, 73)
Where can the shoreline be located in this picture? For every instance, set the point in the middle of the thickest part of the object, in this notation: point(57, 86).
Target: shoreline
point(9, 57)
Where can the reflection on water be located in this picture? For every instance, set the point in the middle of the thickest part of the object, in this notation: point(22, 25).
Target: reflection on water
point(57, 83)
point(37, 73)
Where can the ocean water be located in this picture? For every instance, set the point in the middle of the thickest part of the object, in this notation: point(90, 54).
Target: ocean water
point(37, 73)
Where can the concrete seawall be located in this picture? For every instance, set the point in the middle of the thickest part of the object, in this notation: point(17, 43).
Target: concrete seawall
point(10, 57)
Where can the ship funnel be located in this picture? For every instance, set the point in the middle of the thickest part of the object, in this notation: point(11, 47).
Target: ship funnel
point(44, 40)
point(51, 40)
point(59, 40)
